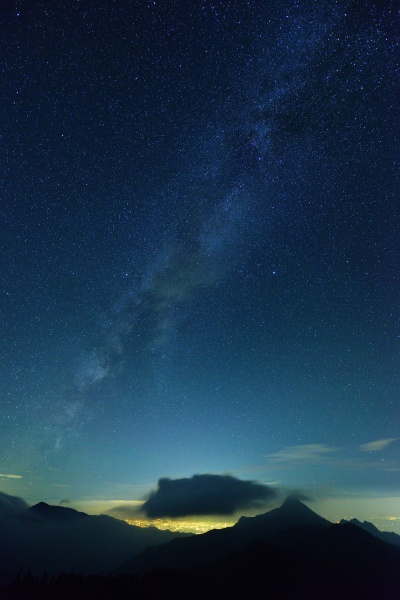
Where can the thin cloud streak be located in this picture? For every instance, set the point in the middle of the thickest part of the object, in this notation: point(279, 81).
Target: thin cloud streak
point(377, 445)
point(303, 453)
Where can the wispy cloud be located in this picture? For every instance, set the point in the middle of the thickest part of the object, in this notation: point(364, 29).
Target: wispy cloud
point(304, 453)
point(378, 445)
point(338, 458)
point(10, 476)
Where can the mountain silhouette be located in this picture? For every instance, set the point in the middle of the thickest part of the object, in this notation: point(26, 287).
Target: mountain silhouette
point(56, 514)
point(292, 513)
point(11, 505)
point(52, 539)
point(337, 563)
point(287, 524)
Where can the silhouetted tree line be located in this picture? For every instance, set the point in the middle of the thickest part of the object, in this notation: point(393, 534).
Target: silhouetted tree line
point(251, 583)
point(73, 586)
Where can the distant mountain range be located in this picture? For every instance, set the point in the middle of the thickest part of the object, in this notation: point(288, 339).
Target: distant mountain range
point(287, 553)
point(385, 536)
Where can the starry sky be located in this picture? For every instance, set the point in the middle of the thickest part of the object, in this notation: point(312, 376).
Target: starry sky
point(199, 246)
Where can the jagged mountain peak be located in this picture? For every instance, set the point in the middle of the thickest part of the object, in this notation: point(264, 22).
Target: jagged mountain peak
point(293, 503)
point(292, 512)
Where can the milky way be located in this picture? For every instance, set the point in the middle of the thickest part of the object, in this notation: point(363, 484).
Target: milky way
point(199, 242)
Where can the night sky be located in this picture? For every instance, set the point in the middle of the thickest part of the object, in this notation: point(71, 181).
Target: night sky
point(199, 246)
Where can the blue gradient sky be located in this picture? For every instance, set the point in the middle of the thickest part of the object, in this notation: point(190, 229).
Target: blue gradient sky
point(199, 247)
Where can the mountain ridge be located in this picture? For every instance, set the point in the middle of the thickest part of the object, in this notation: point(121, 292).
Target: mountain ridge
point(46, 538)
point(56, 513)
point(386, 536)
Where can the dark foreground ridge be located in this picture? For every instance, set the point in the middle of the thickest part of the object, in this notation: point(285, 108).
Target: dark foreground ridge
point(288, 553)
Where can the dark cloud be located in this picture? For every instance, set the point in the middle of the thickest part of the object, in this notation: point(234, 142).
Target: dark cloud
point(206, 495)
point(65, 501)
